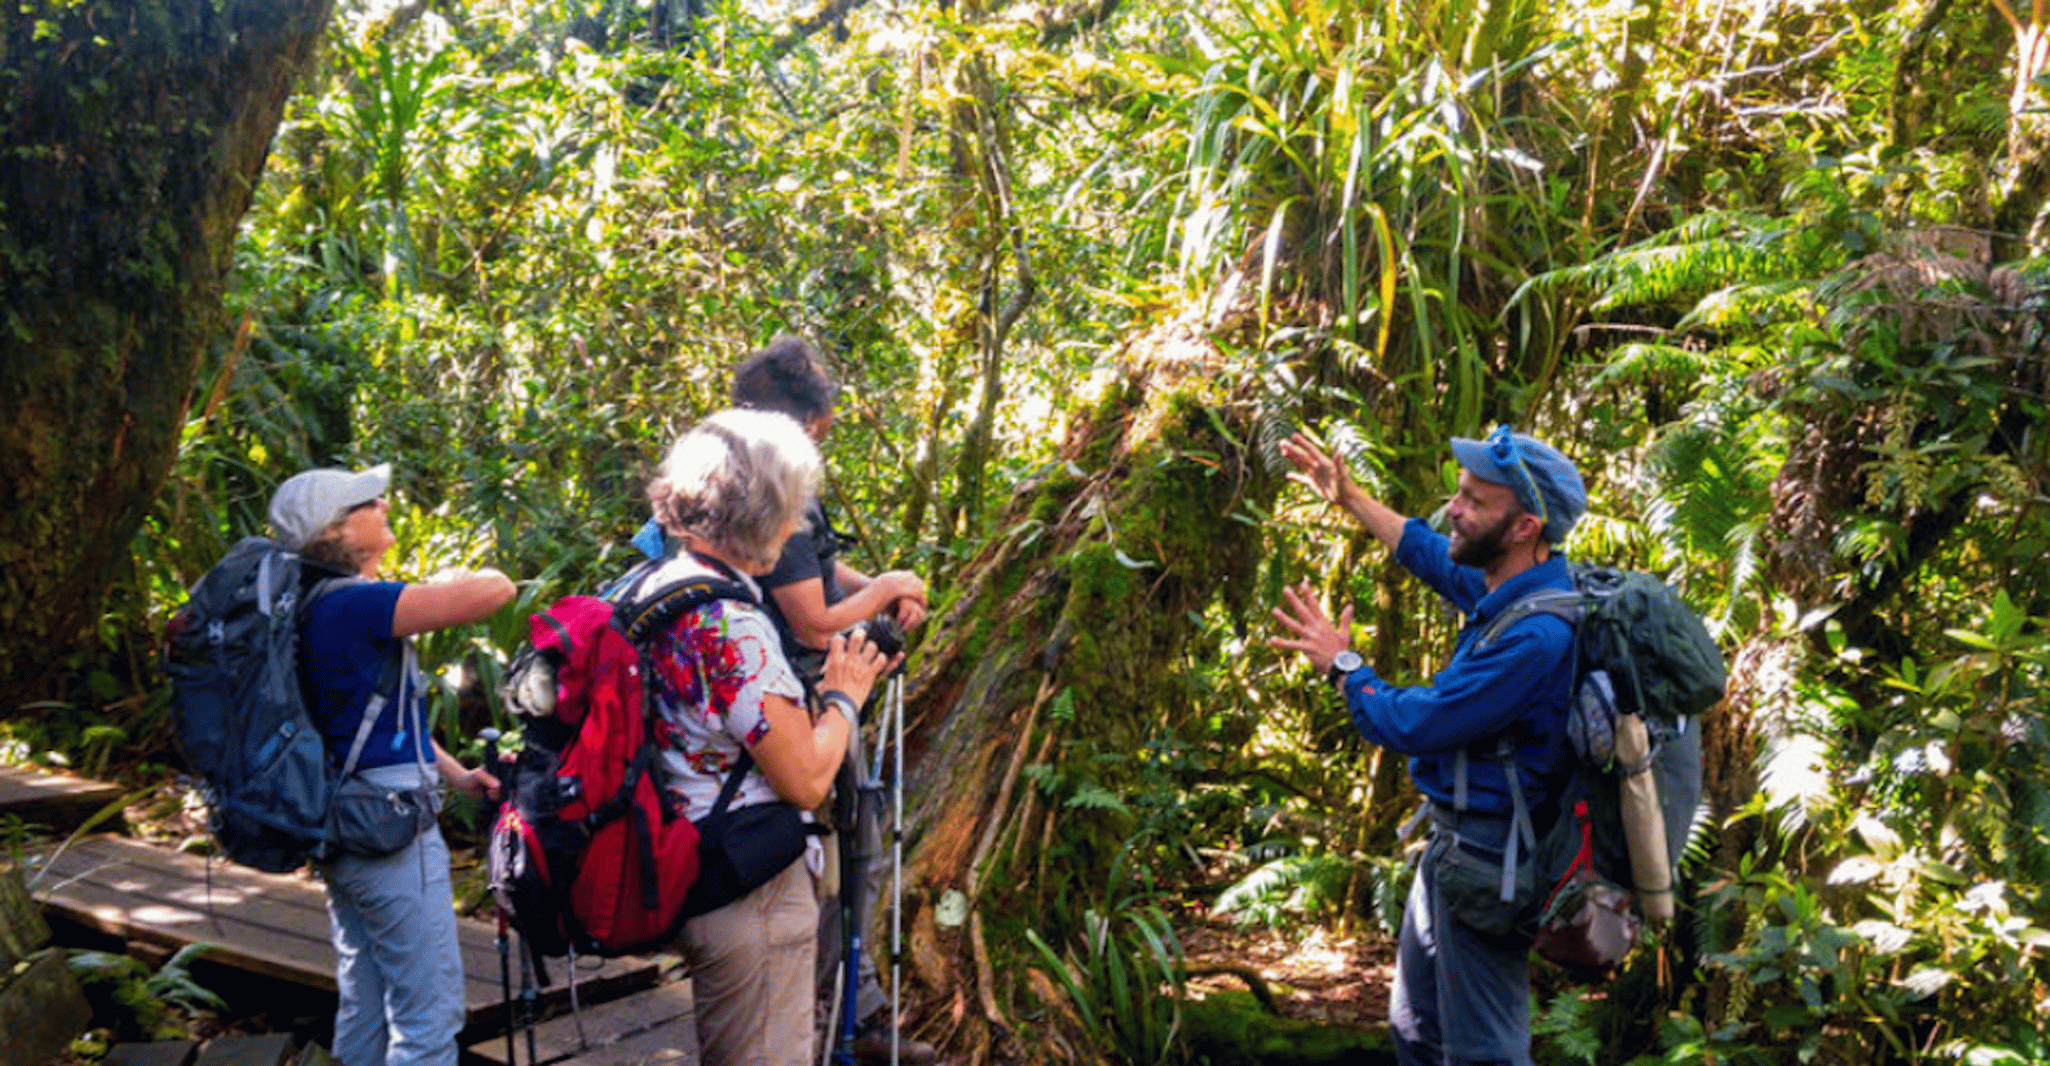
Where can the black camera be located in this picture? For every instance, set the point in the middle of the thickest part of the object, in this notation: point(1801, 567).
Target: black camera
point(881, 631)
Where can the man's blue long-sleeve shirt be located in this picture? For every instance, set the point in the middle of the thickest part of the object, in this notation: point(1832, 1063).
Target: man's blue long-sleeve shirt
point(1519, 685)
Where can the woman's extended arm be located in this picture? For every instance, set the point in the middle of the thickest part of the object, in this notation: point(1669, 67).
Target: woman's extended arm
point(800, 758)
point(436, 605)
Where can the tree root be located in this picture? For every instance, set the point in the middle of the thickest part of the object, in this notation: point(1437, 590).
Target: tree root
point(1255, 982)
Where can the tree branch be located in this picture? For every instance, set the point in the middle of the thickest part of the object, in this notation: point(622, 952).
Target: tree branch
point(1057, 28)
point(830, 13)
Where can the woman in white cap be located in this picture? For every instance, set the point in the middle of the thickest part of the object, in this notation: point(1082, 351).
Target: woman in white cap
point(399, 967)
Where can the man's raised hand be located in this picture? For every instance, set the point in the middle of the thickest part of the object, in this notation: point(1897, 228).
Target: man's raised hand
point(1315, 634)
point(1322, 471)
point(1327, 476)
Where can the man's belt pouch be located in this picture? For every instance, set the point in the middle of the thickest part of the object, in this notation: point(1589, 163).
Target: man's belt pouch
point(369, 820)
point(740, 850)
point(1470, 882)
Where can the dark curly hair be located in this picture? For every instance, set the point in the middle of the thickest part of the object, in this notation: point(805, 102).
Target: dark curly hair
point(787, 376)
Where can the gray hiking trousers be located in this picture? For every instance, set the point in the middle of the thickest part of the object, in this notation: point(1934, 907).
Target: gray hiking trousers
point(398, 965)
point(1460, 998)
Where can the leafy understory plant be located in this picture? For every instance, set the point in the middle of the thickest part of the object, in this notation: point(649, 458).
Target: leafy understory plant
point(1126, 977)
point(134, 1004)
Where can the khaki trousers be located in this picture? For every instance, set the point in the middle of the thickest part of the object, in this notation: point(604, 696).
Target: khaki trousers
point(751, 974)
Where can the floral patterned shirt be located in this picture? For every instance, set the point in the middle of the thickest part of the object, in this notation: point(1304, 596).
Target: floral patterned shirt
point(714, 668)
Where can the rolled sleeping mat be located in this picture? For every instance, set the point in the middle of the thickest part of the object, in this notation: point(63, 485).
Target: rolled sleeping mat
point(1644, 821)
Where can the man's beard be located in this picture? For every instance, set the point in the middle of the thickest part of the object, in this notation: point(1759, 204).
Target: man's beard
point(1483, 548)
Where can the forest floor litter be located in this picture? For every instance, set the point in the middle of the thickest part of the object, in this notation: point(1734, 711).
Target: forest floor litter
point(1315, 974)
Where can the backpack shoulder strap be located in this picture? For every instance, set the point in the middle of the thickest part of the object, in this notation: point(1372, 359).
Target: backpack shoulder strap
point(643, 603)
point(1522, 837)
point(645, 615)
point(391, 679)
point(740, 768)
point(1567, 606)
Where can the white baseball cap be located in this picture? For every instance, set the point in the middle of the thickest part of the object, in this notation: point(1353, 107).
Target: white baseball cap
point(306, 504)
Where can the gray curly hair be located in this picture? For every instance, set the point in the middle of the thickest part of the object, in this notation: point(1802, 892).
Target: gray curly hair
point(735, 480)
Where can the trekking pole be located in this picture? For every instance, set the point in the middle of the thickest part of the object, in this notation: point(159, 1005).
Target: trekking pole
point(528, 1009)
point(503, 941)
point(505, 1001)
point(853, 868)
point(891, 725)
point(576, 1006)
point(829, 1046)
point(893, 700)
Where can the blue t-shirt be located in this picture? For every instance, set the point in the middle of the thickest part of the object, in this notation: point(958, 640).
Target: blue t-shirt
point(345, 646)
point(1518, 686)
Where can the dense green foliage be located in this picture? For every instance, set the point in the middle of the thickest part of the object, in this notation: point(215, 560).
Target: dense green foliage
point(1732, 258)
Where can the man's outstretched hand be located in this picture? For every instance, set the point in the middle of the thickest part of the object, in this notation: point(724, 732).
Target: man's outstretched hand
point(1327, 476)
point(1315, 634)
point(1320, 470)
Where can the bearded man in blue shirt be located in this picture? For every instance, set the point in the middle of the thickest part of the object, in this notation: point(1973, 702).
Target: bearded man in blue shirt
point(1462, 971)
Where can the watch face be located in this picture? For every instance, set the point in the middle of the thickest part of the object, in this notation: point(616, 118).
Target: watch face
point(1347, 661)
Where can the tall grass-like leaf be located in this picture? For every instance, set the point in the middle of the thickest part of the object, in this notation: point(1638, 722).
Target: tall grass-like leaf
point(1085, 1004)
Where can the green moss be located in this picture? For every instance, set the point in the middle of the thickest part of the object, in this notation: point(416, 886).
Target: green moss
point(1232, 1029)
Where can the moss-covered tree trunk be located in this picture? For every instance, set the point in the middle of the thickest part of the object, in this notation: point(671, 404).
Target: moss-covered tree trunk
point(132, 133)
point(1070, 637)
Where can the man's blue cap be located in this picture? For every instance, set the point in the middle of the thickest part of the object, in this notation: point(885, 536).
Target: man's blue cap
point(1544, 481)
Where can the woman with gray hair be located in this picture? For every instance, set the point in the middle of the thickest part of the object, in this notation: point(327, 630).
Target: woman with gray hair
point(729, 494)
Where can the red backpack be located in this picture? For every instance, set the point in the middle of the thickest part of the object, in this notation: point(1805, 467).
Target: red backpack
point(590, 853)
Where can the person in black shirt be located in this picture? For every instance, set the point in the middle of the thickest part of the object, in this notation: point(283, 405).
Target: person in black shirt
point(813, 594)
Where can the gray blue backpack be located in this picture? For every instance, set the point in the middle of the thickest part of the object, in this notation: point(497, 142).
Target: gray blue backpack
point(241, 719)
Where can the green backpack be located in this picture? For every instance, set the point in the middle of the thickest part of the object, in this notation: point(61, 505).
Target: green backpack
point(1645, 667)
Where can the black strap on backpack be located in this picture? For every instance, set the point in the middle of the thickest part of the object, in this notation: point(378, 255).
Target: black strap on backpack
point(732, 786)
point(641, 612)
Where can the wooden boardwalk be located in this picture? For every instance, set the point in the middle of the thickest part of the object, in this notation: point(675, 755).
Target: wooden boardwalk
point(58, 803)
point(272, 925)
point(652, 1028)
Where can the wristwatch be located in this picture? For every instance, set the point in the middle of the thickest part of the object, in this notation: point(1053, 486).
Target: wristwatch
point(1343, 664)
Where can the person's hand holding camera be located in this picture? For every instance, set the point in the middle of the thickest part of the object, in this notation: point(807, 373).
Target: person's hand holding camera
point(907, 596)
point(853, 662)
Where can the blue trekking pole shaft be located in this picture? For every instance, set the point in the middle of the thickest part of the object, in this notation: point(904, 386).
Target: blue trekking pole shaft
point(852, 870)
point(844, 1053)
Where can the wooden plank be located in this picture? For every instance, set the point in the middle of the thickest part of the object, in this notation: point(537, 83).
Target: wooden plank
point(61, 803)
point(675, 1044)
point(263, 1049)
point(273, 925)
point(236, 907)
point(607, 1024)
point(160, 1053)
